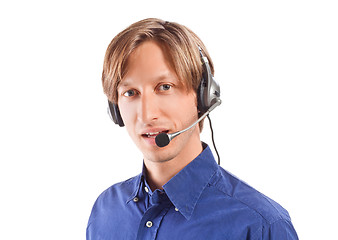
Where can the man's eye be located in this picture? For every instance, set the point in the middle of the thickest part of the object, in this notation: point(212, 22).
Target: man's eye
point(165, 87)
point(129, 93)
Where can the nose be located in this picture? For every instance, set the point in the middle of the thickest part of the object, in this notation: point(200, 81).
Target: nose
point(148, 109)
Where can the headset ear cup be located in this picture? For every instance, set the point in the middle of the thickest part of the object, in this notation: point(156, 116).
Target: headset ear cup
point(209, 90)
point(201, 96)
point(114, 113)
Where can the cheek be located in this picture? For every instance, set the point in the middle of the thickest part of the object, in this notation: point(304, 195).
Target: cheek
point(184, 108)
point(127, 112)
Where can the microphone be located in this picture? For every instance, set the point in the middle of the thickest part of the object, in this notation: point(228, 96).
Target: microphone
point(163, 139)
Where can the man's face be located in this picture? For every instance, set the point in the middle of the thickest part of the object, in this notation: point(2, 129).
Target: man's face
point(152, 100)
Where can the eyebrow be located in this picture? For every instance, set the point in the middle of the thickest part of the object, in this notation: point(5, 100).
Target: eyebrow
point(162, 76)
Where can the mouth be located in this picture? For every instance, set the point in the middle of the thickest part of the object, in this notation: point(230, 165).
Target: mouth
point(153, 134)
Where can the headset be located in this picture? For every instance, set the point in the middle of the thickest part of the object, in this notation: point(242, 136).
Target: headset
point(208, 94)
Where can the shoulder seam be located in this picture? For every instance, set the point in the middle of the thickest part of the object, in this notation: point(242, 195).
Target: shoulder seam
point(280, 218)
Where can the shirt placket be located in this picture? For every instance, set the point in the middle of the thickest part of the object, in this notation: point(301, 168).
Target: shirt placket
point(153, 216)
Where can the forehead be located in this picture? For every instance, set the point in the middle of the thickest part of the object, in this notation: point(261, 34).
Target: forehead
point(148, 62)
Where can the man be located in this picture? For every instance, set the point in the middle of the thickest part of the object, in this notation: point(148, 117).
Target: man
point(151, 76)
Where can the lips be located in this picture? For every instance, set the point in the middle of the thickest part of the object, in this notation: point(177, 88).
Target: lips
point(153, 134)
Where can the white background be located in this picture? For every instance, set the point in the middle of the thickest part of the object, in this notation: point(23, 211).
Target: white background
point(276, 129)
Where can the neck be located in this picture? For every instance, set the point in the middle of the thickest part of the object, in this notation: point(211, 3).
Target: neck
point(159, 173)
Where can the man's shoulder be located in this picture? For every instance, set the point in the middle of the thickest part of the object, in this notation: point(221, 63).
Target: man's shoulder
point(254, 201)
point(111, 203)
point(120, 191)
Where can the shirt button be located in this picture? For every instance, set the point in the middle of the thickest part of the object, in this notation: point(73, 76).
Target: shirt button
point(135, 199)
point(176, 209)
point(146, 189)
point(149, 224)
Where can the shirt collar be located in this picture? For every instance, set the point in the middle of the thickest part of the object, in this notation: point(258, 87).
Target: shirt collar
point(140, 181)
point(136, 184)
point(186, 187)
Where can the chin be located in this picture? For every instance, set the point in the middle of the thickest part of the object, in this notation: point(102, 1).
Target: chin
point(159, 155)
point(178, 147)
point(165, 154)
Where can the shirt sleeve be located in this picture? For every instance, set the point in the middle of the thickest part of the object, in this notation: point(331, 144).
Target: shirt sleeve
point(280, 230)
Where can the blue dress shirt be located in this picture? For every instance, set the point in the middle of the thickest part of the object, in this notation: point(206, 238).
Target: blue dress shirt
point(202, 202)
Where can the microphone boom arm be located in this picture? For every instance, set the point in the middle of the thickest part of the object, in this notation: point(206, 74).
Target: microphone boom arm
point(175, 134)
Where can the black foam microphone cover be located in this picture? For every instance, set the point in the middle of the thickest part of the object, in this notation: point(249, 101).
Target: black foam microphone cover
point(162, 140)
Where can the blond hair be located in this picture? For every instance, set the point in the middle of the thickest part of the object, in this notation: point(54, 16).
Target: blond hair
point(179, 44)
